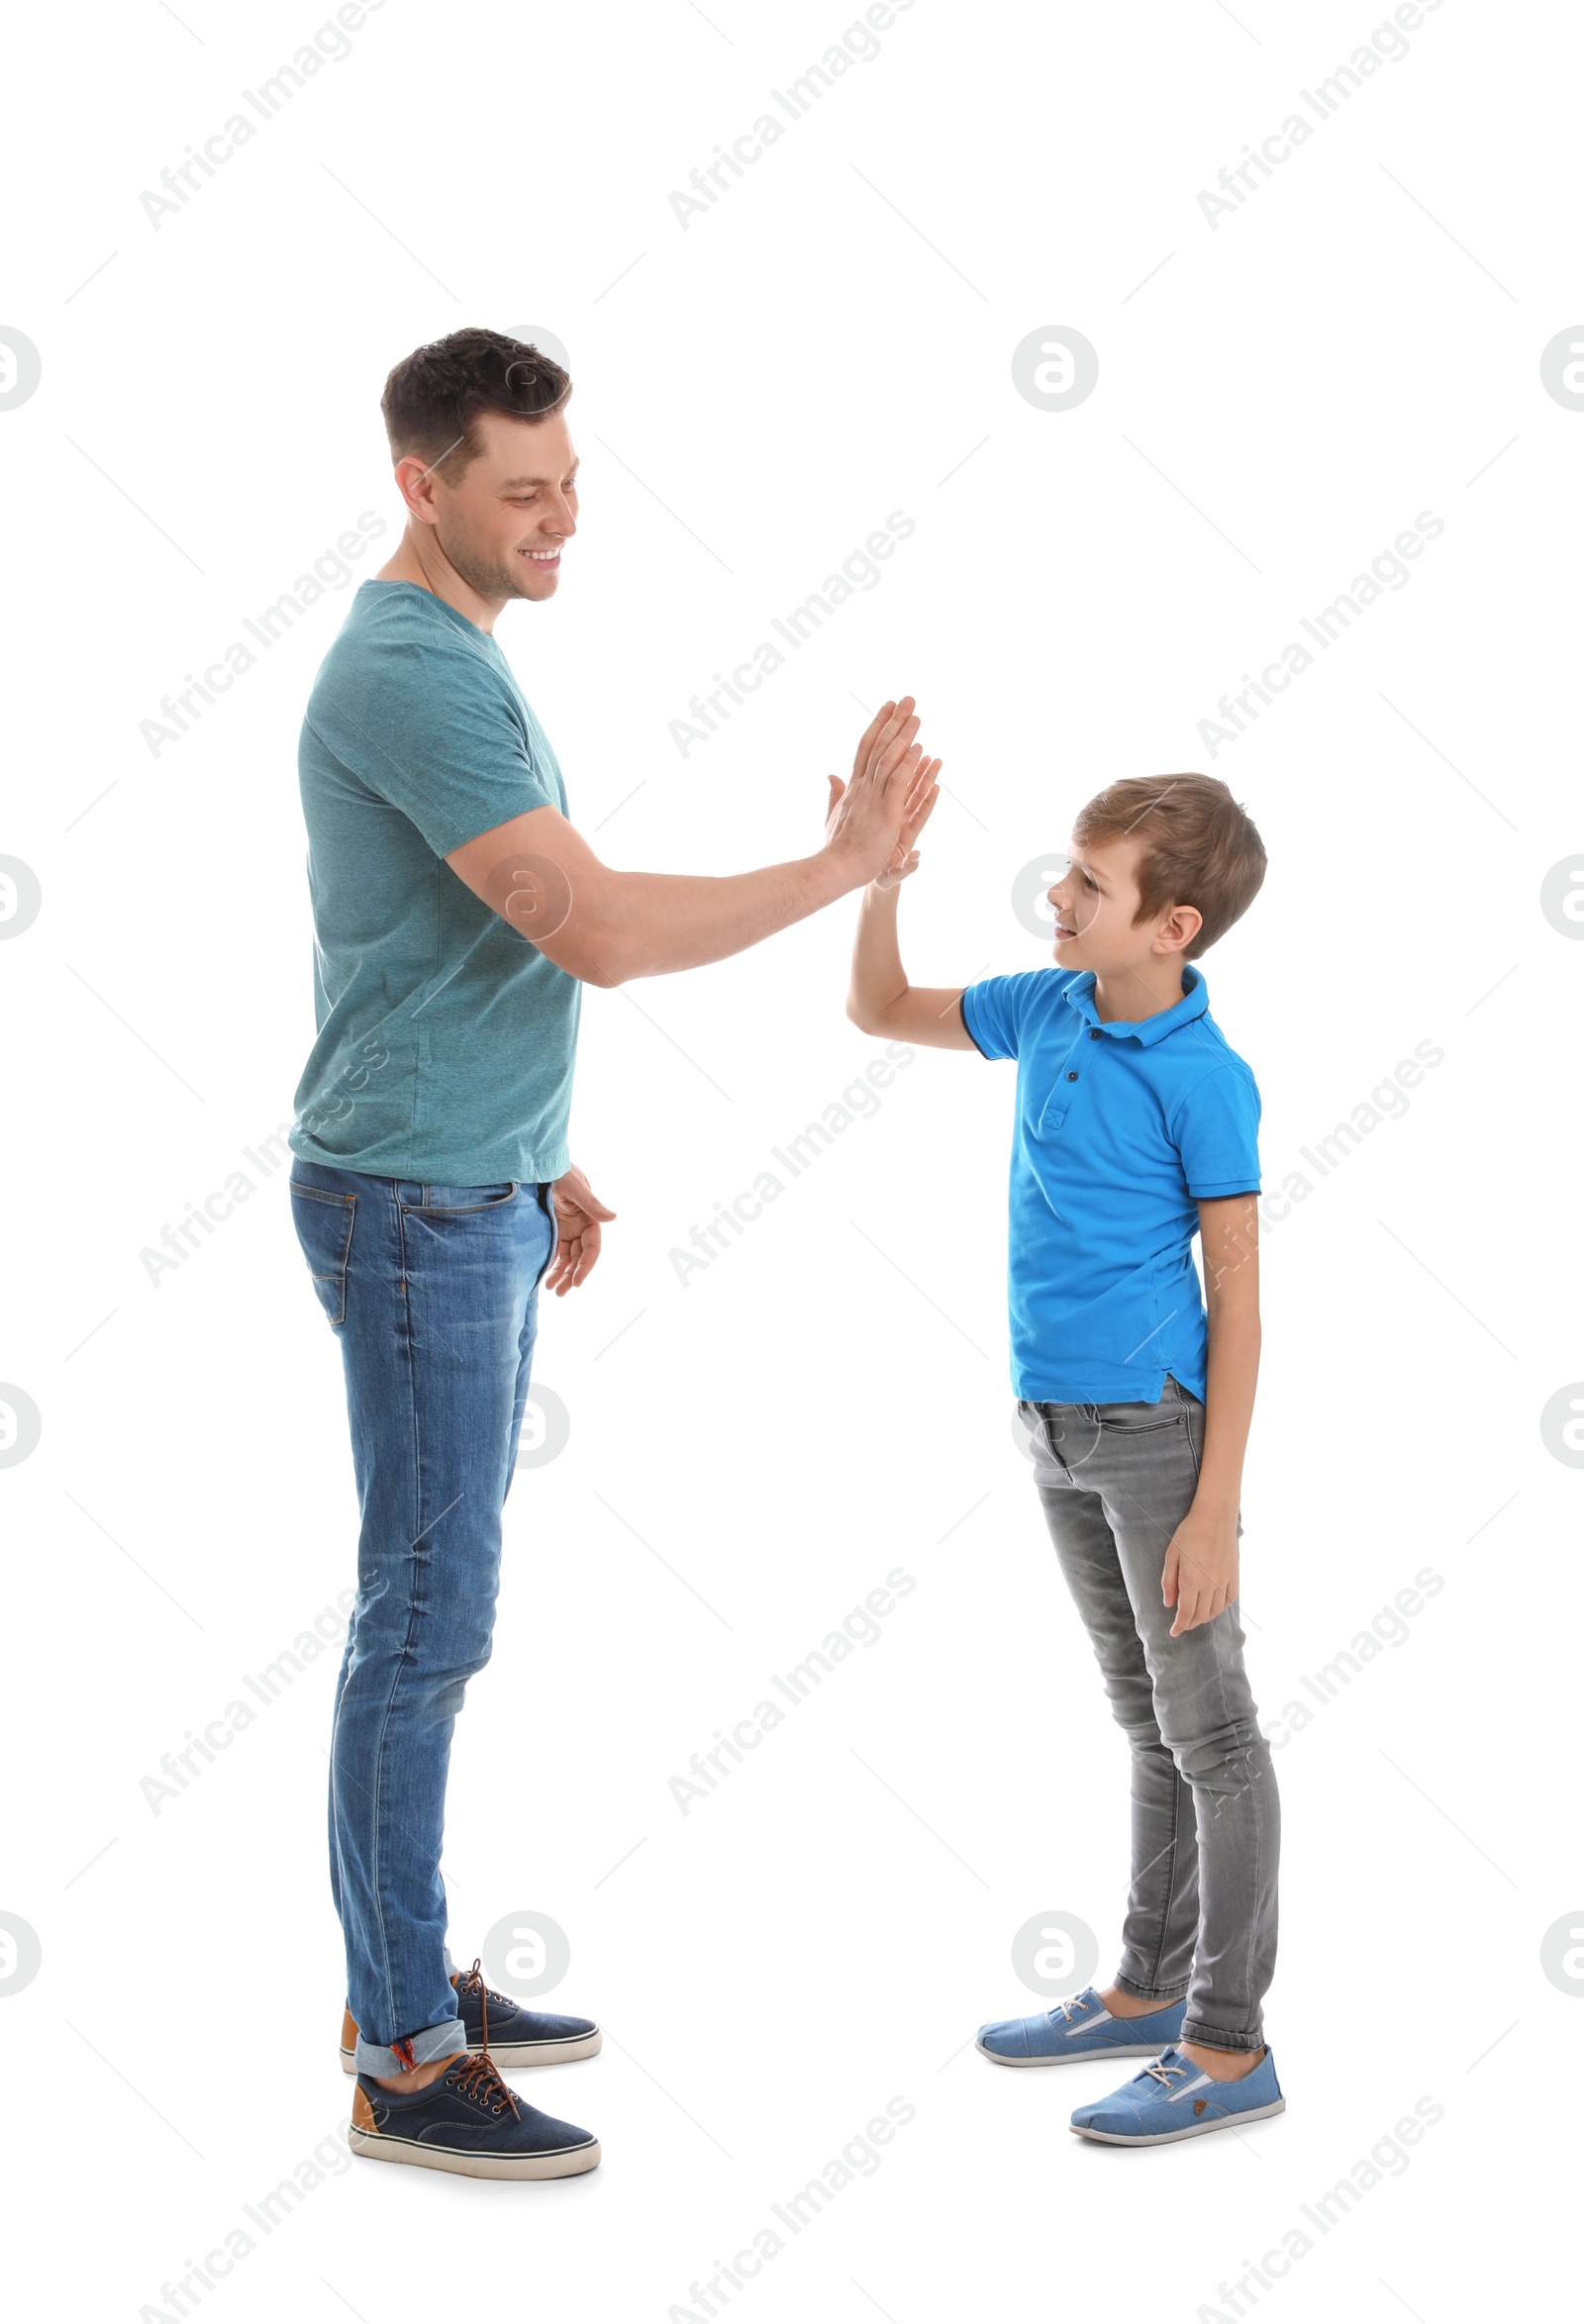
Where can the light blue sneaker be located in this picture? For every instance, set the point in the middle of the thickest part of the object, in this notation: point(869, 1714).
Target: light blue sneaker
point(1171, 2100)
point(1080, 2028)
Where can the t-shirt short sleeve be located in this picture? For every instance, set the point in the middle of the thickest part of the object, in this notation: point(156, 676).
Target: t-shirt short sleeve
point(434, 729)
point(1217, 1134)
point(992, 1012)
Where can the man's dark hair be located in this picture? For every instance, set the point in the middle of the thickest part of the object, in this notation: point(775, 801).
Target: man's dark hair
point(437, 394)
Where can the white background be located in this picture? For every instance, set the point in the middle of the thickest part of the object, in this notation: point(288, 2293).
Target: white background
point(1358, 342)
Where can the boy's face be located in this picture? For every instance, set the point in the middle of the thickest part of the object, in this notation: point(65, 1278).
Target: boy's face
point(1095, 902)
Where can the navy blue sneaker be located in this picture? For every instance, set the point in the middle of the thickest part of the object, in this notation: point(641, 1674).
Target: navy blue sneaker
point(469, 2121)
point(517, 2036)
point(1172, 2099)
point(1080, 2028)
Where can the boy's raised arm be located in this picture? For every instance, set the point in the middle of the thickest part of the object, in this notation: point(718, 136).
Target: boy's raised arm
point(880, 998)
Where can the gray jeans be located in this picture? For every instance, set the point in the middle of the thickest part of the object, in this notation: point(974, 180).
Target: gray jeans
point(1115, 1481)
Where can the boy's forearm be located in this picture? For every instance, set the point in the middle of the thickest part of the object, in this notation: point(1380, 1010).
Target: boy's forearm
point(880, 998)
point(1232, 1373)
point(878, 977)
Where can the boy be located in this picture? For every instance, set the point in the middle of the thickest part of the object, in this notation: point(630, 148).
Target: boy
point(1136, 1125)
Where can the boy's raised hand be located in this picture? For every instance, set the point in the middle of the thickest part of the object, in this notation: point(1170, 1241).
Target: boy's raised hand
point(867, 815)
point(926, 790)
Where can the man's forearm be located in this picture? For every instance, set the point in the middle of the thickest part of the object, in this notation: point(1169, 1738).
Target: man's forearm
point(651, 924)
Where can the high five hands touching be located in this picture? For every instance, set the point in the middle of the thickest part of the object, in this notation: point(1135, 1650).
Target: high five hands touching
point(870, 828)
point(875, 816)
point(920, 805)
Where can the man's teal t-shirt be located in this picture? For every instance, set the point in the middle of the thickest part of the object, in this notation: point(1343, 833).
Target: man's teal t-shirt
point(445, 1041)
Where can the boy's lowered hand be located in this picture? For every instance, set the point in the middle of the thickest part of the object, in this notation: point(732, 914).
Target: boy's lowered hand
point(1200, 1576)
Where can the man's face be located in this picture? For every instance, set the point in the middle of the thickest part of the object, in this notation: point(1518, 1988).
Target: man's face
point(504, 521)
point(1094, 902)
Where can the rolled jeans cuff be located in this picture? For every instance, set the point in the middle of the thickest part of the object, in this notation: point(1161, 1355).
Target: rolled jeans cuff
point(1216, 2036)
point(1141, 1993)
point(447, 2040)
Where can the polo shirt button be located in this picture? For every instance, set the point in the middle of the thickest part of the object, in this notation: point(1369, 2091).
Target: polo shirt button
point(1072, 1077)
point(1094, 1032)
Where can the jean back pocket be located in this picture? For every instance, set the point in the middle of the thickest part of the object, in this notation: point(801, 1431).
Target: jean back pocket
point(324, 1223)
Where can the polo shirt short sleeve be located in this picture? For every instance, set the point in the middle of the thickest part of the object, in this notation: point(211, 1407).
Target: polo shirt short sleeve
point(1120, 1130)
point(991, 1011)
point(1215, 1127)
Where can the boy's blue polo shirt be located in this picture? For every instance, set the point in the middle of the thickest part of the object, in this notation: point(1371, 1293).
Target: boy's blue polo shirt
point(1120, 1130)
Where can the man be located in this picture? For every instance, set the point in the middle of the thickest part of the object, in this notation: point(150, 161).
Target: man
point(456, 914)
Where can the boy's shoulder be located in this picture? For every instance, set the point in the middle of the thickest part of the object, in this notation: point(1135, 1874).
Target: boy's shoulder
point(1032, 990)
point(1201, 1055)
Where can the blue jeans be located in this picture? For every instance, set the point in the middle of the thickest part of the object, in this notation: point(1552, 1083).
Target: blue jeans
point(433, 1292)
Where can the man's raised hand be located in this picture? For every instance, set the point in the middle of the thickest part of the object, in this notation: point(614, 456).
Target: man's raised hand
point(867, 815)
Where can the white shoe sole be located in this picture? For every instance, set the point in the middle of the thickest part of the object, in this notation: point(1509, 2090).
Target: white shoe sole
point(1167, 2138)
point(1072, 2057)
point(562, 2163)
point(524, 2053)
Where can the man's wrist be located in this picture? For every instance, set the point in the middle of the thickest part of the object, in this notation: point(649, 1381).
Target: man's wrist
point(836, 874)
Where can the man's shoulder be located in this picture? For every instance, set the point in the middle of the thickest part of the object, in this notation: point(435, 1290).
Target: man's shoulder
point(399, 662)
point(395, 627)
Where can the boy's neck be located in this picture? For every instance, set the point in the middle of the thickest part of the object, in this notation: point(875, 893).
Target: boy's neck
point(1134, 994)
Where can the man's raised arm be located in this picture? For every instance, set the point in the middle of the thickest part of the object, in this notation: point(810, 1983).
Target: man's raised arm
point(606, 927)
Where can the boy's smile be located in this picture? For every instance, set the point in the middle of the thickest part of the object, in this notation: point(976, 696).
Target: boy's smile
point(1137, 964)
point(1094, 903)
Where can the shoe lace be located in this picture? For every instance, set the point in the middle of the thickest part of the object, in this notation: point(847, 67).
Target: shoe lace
point(471, 1982)
point(479, 2077)
point(1073, 2008)
point(1163, 2072)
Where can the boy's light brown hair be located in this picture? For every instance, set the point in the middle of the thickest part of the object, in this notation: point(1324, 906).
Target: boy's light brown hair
point(1200, 846)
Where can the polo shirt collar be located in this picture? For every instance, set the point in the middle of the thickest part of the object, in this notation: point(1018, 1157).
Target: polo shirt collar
point(1149, 1030)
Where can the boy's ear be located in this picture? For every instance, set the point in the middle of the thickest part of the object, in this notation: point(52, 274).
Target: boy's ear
point(1177, 929)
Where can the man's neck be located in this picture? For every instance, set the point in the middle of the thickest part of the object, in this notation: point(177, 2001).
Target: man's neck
point(421, 561)
point(1134, 994)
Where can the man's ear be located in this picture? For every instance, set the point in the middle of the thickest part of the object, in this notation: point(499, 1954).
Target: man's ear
point(1177, 929)
point(414, 481)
